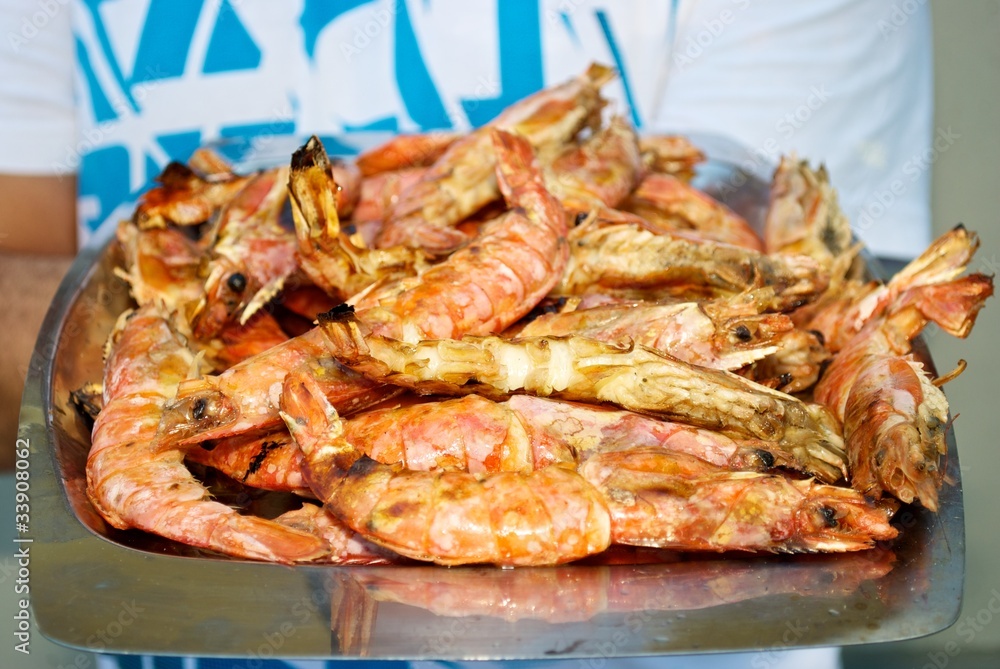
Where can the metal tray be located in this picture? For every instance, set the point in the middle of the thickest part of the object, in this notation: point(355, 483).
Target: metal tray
point(97, 588)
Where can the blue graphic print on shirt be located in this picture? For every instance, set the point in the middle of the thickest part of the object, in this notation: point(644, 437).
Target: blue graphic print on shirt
point(147, 75)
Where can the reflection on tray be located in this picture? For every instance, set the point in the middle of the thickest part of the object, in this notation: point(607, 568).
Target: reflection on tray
point(576, 593)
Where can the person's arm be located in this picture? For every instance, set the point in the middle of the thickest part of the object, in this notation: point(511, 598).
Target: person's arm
point(37, 215)
point(37, 244)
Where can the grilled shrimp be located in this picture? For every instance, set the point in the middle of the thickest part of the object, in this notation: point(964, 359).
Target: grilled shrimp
point(480, 290)
point(379, 194)
point(523, 433)
point(667, 203)
point(251, 256)
point(582, 369)
point(497, 279)
point(346, 546)
point(463, 179)
point(721, 334)
point(334, 261)
point(545, 516)
point(672, 500)
point(236, 343)
point(269, 461)
point(624, 258)
point(161, 268)
point(796, 364)
point(244, 398)
point(894, 416)
point(839, 317)
point(136, 481)
point(478, 435)
point(588, 430)
point(804, 217)
point(599, 171)
point(186, 198)
point(405, 152)
point(671, 154)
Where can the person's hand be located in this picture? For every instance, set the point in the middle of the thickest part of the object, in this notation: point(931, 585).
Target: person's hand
point(37, 244)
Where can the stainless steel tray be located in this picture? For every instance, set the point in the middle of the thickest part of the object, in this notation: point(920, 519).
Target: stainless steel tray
point(97, 588)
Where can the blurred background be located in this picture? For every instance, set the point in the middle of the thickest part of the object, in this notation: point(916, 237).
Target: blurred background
point(965, 189)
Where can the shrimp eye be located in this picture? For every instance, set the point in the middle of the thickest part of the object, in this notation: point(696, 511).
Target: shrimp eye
point(829, 515)
point(581, 216)
point(198, 410)
point(743, 333)
point(237, 282)
point(766, 458)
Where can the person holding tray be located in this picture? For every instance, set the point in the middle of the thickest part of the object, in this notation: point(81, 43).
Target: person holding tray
point(97, 97)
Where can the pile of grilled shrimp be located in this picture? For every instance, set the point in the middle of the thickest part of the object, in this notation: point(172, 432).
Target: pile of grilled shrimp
point(521, 345)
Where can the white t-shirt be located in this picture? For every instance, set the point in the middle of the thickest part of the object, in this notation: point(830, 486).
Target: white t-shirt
point(846, 82)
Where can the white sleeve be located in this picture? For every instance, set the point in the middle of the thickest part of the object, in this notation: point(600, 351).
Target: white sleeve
point(845, 82)
point(37, 118)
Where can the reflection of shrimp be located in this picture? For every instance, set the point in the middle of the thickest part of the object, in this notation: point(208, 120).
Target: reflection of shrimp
point(481, 289)
point(570, 594)
point(672, 500)
point(894, 416)
point(546, 516)
point(136, 481)
point(463, 179)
